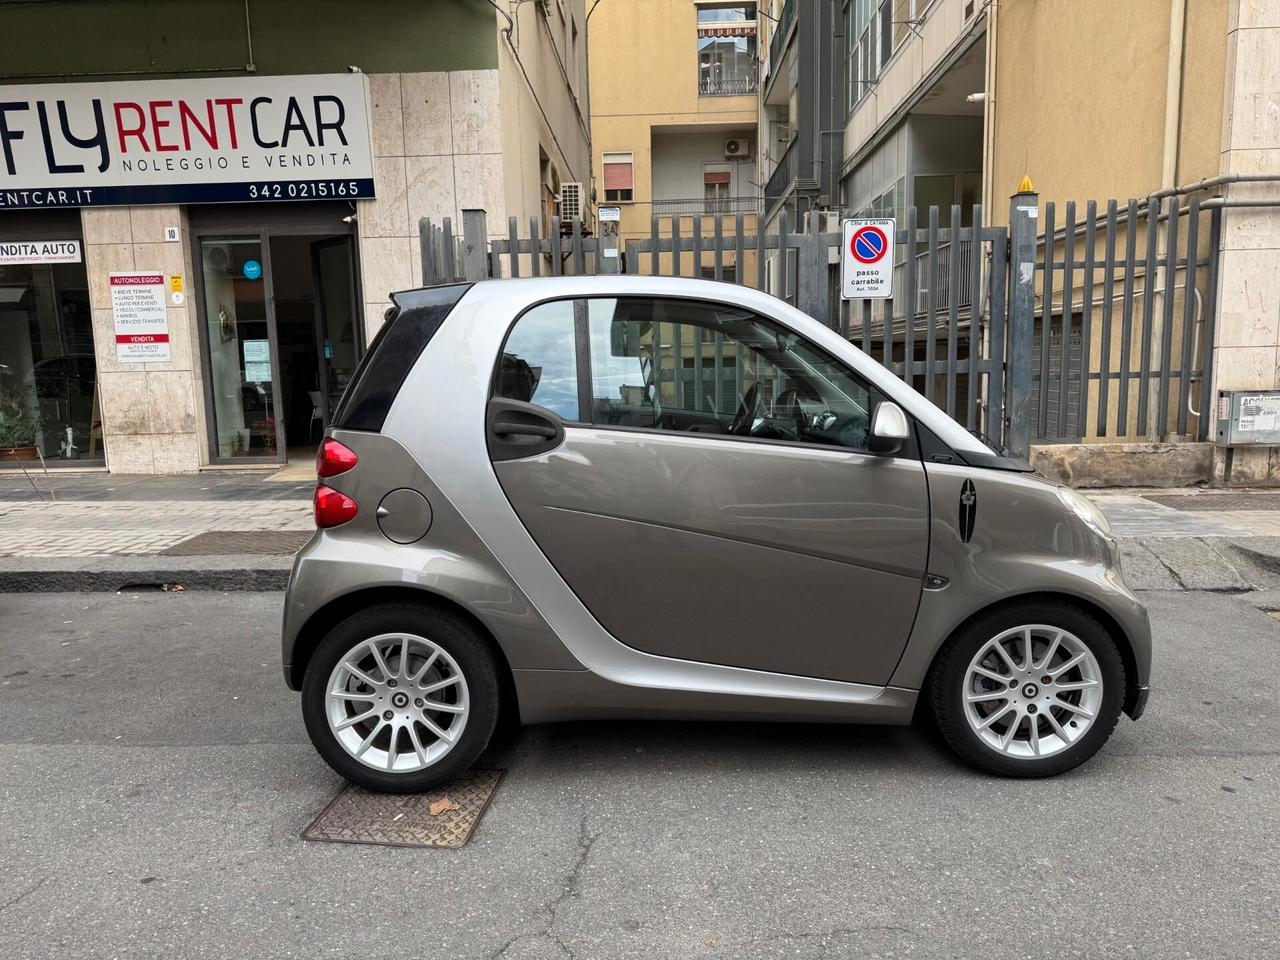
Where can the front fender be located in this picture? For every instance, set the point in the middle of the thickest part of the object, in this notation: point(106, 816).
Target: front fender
point(1024, 543)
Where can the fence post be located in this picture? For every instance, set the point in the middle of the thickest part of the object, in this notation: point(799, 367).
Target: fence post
point(812, 281)
point(475, 263)
point(1024, 211)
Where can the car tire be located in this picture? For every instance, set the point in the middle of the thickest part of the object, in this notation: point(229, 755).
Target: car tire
point(439, 643)
point(1044, 728)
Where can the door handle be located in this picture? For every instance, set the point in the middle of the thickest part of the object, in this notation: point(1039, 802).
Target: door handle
point(504, 428)
point(520, 429)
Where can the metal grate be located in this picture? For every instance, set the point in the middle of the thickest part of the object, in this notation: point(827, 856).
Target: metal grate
point(357, 815)
point(1219, 502)
point(222, 543)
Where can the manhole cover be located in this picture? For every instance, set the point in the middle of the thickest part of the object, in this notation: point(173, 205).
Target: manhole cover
point(229, 542)
point(357, 815)
point(1220, 502)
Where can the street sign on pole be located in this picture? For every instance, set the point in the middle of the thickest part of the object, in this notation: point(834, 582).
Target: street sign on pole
point(866, 260)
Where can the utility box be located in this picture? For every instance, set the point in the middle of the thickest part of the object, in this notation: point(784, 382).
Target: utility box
point(1248, 418)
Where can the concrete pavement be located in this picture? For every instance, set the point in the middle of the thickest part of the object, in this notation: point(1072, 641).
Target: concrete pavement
point(155, 775)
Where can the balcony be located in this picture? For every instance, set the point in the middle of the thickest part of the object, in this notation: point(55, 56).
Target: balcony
point(784, 174)
point(778, 42)
point(726, 87)
point(699, 206)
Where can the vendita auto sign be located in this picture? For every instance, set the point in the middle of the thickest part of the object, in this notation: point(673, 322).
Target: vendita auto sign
point(227, 140)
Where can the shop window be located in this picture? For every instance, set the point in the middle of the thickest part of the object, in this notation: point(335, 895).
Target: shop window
point(619, 177)
point(49, 405)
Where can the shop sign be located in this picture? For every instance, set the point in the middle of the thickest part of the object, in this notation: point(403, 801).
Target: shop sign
point(138, 311)
point(207, 140)
point(39, 251)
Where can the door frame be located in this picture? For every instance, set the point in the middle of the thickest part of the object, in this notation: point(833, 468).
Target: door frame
point(263, 233)
point(320, 317)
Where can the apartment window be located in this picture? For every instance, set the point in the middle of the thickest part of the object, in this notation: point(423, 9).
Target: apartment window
point(726, 49)
point(716, 178)
point(873, 31)
point(619, 177)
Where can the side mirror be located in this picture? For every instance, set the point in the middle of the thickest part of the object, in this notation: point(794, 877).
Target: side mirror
point(890, 429)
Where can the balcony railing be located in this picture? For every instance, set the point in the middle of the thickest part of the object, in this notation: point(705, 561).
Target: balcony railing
point(780, 179)
point(706, 206)
point(726, 87)
point(777, 43)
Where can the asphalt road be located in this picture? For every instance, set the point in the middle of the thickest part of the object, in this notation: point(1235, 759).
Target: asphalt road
point(155, 776)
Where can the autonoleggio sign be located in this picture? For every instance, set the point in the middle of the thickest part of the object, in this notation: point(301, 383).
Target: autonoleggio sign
point(228, 140)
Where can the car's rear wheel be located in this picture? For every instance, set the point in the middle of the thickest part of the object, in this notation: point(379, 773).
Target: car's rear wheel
point(401, 697)
point(1030, 690)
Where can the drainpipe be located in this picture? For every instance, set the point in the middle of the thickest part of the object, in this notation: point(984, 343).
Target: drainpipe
point(1168, 179)
point(989, 113)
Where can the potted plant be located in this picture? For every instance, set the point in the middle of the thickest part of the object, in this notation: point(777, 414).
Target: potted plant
point(19, 427)
point(239, 444)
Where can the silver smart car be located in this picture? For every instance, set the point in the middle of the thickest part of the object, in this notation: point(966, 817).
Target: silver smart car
point(573, 498)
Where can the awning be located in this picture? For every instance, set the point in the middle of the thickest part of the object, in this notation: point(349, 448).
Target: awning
point(727, 30)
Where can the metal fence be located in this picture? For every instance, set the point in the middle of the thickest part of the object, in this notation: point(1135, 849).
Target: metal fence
point(1124, 320)
point(1098, 327)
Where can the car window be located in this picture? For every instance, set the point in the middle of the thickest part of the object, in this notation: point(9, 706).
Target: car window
point(709, 368)
point(538, 362)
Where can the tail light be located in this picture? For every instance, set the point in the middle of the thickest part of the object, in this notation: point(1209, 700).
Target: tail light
point(333, 507)
point(334, 458)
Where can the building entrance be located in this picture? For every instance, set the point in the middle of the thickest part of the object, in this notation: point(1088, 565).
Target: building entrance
point(281, 335)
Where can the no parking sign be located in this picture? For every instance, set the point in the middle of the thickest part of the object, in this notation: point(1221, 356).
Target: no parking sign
point(866, 260)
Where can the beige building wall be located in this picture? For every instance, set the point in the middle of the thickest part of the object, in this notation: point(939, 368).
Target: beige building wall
point(152, 413)
point(644, 79)
point(1080, 96)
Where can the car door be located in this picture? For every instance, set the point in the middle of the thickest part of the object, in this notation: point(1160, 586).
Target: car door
point(699, 476)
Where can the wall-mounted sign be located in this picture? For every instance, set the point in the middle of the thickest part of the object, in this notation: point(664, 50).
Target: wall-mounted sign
point(208, 140)
point(40, 251)
point(138, 311)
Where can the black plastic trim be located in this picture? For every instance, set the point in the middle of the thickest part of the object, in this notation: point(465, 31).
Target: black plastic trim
point(934, 450)
point(411, 322)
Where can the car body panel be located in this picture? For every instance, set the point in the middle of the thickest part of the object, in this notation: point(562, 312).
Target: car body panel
point(450, 562)
point(709, 548)
point(1024, 542)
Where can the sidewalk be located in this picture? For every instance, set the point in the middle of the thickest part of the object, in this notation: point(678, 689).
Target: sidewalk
point(231, 530)
point(228, 531)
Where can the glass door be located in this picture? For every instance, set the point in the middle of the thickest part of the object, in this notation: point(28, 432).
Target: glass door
point(337, 318)
point(242, 367)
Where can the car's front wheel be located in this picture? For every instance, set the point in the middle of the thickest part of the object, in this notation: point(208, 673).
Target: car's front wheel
point(400, 697)
point(1030, 690)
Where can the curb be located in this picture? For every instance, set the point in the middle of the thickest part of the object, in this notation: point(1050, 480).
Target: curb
point(116, 581)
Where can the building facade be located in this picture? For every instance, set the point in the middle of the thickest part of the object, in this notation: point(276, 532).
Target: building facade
point(673, 100)
point(951, 102)
point(201, 220)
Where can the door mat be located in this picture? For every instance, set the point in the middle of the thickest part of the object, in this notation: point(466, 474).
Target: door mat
point(444, 817)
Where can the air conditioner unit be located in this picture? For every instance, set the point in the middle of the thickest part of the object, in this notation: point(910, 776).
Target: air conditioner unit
point(569, 202)
point(737, 149)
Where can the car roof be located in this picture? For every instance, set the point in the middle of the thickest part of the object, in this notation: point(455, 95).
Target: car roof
point(512, 296)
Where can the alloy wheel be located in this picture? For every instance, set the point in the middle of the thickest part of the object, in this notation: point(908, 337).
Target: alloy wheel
point(397, 702)
point(1032, 691)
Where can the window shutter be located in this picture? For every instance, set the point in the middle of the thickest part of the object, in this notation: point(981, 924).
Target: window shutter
point(618, 176)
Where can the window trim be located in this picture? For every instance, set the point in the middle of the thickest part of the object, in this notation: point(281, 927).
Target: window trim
point(582, 347)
